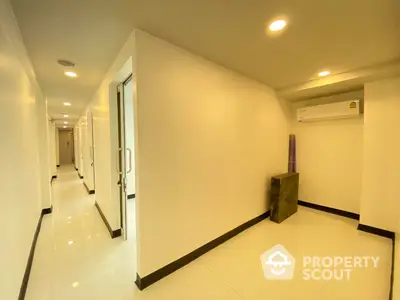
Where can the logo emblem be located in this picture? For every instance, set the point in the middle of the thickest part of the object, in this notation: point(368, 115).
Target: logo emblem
point(278, 264)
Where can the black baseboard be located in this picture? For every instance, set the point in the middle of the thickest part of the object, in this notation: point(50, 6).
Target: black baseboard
point(387, 234)
point(46, 211)
point(376, 231)
point(132, 196)
point(90, 192)
point(392, 270)
point(52, 178)
point(113, 233)
point(28, 268)
point(330, 210)
point(148, 280)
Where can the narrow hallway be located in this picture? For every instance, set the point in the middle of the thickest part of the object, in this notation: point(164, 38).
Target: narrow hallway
point(75, 257)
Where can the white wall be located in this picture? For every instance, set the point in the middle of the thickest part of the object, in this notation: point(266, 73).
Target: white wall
point(380, 204)
point(78, 157)
point(57, 132)
point(329, 157)
point(44, 159)
point(103, 106)
point(87, 151)
point(208, 141)
point(22, 109)
point(76, 146)
point(52, 148)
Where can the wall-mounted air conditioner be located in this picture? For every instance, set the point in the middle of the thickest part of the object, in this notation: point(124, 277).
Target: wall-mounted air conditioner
point(337, 110)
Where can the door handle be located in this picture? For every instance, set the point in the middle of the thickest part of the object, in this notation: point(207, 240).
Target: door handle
point(129, 161)
point(118, 161)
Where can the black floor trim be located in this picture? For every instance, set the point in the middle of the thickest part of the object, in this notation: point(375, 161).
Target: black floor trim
point(331, 210)
point(90, 192)
point(28, 268)
point(52, 178)
point(46, 211)
point(113, 233)
point(392, 270)
point(376, 231)
point(132, 196)
point(148, 280)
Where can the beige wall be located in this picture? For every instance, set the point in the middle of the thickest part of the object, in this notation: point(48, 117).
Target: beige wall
point(329, 157)
point(88, 151)
point(380, 204)
point(24, 181)
point(103, 108)
point(208, 141)
point(52, 148)
point(57, 146)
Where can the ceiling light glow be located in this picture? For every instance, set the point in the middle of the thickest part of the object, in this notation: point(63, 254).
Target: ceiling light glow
point(324, 73)
point(70, 74)
point(65, 116)
point(277, 25)
point(64, 126)
point(65, 122)
point(67, 104)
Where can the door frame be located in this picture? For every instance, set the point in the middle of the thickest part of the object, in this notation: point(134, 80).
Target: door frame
point(122, 157)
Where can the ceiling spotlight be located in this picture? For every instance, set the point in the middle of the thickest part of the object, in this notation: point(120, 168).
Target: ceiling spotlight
point(324, 73)
point(70, 74)
point(65, 122)
point(65, 116)
point(277, 25)
point(64, 126)
point(67, 104)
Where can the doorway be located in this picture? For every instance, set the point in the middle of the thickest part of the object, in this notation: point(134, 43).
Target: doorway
point(66, 147)
point(126, 155)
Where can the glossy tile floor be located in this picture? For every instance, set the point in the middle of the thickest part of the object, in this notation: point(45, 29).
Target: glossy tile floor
point(94, 267)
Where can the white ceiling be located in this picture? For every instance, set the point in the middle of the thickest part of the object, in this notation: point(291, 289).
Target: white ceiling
point(343, 36)
point(88, 32)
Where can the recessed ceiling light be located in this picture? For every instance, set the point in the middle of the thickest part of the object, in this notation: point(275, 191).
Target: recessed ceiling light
point(277, 25)
point(65, 122)
point(67, 104)
point(324, 73)
point(65, 116)
point(70, 74)
point(70, 242)
point(64, 126)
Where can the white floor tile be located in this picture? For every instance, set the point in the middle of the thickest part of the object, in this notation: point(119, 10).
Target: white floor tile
point(95, 267)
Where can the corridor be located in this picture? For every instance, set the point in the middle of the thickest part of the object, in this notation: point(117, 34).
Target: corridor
point(76, 258)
